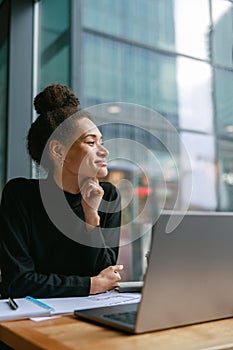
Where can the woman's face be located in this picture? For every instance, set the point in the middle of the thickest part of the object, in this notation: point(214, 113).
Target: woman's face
point(87, 155)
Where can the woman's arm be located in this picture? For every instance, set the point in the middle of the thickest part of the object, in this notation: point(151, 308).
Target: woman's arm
point(101, 204)
point(106, 279)
point(17, 265)
point(19, 273)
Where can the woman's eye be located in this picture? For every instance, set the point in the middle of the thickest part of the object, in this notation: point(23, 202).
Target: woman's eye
point(91, 143)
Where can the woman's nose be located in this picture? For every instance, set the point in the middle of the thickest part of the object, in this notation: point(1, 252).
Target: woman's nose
point(102, 151)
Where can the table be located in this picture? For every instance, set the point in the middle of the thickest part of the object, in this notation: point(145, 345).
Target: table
point(67, 333)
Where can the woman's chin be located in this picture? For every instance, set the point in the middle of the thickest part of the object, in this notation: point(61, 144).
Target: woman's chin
point(102, 173)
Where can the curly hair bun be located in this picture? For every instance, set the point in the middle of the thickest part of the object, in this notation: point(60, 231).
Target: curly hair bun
point(54, 97)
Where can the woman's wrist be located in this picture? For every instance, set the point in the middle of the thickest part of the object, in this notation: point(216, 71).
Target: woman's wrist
point(94, 285)
point(92, 219)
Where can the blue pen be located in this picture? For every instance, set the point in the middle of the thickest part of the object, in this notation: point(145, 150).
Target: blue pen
point(40, 303)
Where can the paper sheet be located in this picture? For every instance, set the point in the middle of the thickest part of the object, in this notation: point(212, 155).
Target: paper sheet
point(28, 309)
point(25, 309)
point(68, 305)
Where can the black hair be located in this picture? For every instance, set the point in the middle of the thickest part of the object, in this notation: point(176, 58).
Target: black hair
point(54, 105)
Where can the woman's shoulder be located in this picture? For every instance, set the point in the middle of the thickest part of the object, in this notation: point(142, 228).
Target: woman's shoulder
point(20, 186)
point(110, 191)
point(108, 186)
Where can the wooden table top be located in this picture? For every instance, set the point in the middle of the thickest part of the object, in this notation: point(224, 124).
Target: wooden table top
point(67, 333)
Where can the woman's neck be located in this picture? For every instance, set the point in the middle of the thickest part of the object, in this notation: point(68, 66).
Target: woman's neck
point(67, 182)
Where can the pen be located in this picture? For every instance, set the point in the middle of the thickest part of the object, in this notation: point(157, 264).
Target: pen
point(12, 304)
point(40, 303)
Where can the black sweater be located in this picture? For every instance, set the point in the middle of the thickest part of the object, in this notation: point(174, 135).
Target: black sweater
point(36, 258)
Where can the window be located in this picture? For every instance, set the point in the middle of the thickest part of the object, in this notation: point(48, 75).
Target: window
point(222, 12)
point(168, 56)
point(4, 19)
point(54, 43)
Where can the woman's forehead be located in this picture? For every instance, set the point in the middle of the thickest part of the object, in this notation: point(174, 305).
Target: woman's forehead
point(85, 126)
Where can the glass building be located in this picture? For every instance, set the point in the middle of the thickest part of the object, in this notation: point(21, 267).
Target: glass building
point(132, 60)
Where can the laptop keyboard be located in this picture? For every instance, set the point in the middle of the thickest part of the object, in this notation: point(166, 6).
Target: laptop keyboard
point(128, 317)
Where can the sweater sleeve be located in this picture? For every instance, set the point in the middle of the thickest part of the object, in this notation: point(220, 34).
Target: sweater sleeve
point(19, 274)
point(107, 236)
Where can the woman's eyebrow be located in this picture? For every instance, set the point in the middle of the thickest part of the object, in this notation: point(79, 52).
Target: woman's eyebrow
point(91, 135)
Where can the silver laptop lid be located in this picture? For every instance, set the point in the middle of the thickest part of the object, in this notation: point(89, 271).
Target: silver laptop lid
point(190, 274)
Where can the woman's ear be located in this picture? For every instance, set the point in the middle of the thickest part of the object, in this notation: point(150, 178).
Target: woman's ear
point(56, 150)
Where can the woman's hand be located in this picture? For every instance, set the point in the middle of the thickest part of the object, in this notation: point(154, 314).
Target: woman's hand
point(107, 279)
point(92, 194)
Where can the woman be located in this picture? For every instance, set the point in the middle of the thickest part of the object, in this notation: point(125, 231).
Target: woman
point(38, 257)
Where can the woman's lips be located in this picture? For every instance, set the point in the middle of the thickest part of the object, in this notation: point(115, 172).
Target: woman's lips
point(101, 163)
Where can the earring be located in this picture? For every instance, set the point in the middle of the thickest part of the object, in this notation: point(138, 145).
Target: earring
point(61, 162)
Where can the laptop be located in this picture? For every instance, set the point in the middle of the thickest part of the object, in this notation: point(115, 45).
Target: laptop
point(189, 278)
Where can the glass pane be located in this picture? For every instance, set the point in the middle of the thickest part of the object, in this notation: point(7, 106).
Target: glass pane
point(115, 71)
point(201, 149)
point(3, 91)
point(132, 19)
point(224, 102)
point(54, 50)
point(194, 95)
point(139, 20)
point(192, 27)
point(152, 53)
point(226, 175)
point(143, 159)
point(222, 32)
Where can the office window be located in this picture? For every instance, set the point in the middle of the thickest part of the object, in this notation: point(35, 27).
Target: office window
point(201, 150)
point(222, 11)
point(194, 85)
point(4, 19)
point(225, 150)
point(134, 20)
point(224, 102)
point(115, 71)
point(3, 110)
point(164, 55)
point(192, 27)
point(54, 42)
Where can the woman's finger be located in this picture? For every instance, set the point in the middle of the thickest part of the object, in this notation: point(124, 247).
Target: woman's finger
point(95, 190)
point(117, 268)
